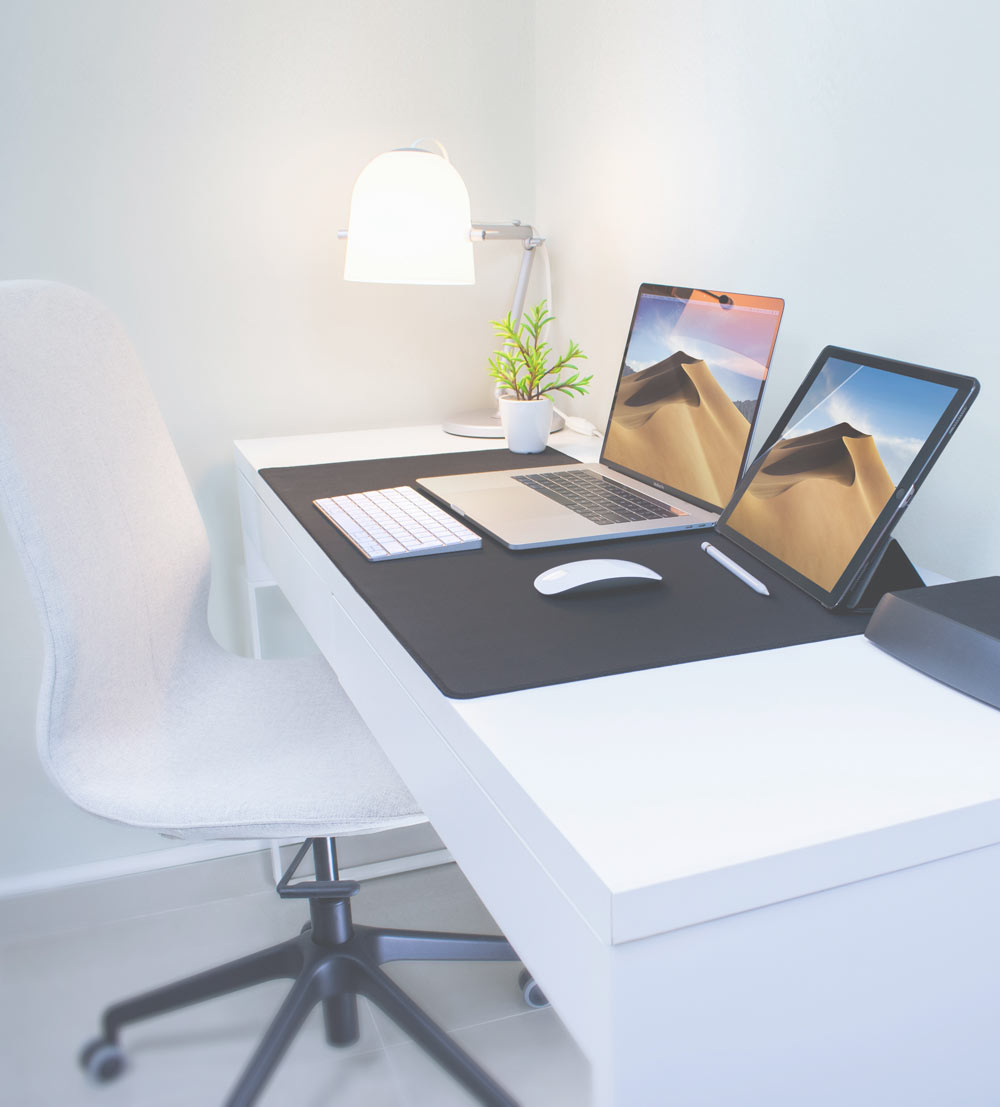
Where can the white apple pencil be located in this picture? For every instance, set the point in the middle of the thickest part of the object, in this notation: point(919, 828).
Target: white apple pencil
point(736, 570)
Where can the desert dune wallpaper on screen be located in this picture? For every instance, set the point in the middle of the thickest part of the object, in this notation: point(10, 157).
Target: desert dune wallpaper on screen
point(674, 418)
point(819, 490)
point(815, 499)
point(691, 381)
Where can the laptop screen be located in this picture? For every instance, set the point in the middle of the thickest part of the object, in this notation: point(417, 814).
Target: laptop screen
point(689, 388)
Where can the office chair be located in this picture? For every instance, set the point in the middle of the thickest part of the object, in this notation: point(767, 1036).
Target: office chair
point(144, 719)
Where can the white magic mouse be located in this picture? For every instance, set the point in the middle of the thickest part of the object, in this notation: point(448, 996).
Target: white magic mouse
point(599, 573)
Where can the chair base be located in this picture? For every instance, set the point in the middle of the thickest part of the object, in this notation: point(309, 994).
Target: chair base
point(331, 962)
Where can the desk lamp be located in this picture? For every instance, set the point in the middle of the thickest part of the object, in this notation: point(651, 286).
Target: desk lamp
point(411, 223)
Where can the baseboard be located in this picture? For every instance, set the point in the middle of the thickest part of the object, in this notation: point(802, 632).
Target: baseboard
point(191, 852)
point(56, 901)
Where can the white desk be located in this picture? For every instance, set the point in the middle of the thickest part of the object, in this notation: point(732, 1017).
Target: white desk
point(770, 879)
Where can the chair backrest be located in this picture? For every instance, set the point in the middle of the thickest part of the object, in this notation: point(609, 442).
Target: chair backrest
point(101, 514)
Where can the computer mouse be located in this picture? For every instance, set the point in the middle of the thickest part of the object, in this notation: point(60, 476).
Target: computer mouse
point(592, 575)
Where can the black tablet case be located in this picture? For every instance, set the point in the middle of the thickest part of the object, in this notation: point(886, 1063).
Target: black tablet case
point(475, 624)
point(887, 568)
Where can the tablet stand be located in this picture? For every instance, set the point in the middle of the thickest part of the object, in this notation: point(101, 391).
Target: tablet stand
point(891, 572)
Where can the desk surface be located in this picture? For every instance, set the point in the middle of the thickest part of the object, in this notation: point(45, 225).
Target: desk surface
point(669, 797)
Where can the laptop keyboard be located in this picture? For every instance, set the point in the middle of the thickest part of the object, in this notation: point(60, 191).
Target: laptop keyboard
point(597, 498)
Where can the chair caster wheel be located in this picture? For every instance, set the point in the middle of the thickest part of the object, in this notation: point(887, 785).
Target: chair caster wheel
point(102, 1060)
point(533, 995)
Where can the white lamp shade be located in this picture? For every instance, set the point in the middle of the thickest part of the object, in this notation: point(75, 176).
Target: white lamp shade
point(410, 222)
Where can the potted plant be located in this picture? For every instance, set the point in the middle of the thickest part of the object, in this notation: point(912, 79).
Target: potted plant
point(523, 368)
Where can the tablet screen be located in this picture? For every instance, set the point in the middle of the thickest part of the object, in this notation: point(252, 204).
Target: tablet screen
point(856, 437)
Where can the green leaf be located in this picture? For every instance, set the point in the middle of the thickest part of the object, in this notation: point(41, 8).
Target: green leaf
point(524, 364)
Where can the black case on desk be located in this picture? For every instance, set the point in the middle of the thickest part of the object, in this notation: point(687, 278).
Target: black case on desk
point(890, 571)
point(476, 625)
point(949, 631)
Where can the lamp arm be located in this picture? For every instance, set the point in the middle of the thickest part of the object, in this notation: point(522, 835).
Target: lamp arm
point(486, 424)
point(514, 229)
point(486, 232)
point(521, 288)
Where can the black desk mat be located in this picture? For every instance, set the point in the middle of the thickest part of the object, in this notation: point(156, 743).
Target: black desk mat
point(475, 624)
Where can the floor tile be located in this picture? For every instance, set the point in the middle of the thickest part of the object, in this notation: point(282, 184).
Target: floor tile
point(454, 994)
point(530, 1055)
point(52, 991)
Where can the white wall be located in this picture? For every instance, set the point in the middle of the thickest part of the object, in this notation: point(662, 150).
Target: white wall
point(190, 162)
point(841, 154)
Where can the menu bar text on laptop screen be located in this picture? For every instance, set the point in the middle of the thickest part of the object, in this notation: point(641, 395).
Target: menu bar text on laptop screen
point(689, 388)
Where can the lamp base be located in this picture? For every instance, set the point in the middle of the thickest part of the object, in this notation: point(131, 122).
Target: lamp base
point(486, 424)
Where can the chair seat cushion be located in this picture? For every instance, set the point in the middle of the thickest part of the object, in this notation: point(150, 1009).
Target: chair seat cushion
point(236, 748)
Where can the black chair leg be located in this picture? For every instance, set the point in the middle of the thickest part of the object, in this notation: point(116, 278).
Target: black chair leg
point(303, 996)
point(425, 1032)
point(429, 945)
point(282, 960)
point(332, 962)
point(340, 1019)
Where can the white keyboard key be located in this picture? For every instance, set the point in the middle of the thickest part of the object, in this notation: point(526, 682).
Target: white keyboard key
point(389, 523)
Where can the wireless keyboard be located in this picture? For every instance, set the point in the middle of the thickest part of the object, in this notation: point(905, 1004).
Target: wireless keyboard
point(396, 522)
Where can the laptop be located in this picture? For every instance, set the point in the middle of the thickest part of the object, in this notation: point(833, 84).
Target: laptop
point(687, 397)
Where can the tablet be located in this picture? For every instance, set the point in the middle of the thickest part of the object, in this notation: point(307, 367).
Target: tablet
point(819, 502)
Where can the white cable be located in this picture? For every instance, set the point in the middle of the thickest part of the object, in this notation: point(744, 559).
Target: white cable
point(578, 424)
point(548, 275)
point(573, 422)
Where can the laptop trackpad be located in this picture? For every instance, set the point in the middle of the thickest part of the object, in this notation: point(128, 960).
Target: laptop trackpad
point(514, 502)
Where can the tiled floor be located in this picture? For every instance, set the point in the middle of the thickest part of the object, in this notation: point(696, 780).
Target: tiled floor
point(51, 991)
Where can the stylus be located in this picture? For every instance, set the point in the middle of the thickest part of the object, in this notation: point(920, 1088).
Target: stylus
point(736, 570)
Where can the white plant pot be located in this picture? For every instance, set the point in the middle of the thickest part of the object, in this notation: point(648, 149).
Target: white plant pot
point(526, 424)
